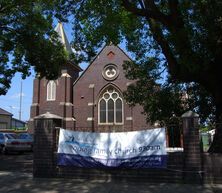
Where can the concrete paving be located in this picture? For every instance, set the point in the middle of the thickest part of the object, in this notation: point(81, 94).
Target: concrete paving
point(20, 182)
point(16, 177)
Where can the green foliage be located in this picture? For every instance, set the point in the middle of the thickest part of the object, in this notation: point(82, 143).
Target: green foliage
point(200, 100)
point(160, 102)
point(204, 129)
point(28, 40)
point(176, 48)
point(19, 128)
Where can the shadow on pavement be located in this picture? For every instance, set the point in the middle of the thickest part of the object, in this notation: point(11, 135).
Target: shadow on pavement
point(16, 162)
point(16, 177)
point(17, 182)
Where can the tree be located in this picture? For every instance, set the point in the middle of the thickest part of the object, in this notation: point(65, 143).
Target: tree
point(161, 102)
point(185, 36)
point(28, 40)
point(168, 100)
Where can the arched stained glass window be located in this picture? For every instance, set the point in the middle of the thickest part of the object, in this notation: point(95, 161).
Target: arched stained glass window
point(110, 107)
point(51, 90)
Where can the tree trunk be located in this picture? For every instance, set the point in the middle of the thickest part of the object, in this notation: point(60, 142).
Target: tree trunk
point(216, 146)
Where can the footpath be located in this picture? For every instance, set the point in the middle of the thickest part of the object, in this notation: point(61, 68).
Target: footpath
point(23, 182)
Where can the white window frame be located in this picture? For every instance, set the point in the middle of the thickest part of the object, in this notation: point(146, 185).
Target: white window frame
point(106, 100)
point(51, 91)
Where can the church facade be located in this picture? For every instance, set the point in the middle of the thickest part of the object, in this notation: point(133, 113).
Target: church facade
point(98, 95)
point(92, 101)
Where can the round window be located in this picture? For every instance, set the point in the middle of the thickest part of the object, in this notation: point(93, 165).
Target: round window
point(110, 72)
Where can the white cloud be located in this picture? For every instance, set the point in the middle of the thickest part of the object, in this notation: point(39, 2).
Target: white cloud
point(12, 107)
point(17, 95)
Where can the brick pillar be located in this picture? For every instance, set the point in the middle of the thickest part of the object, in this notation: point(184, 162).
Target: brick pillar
point(191, 145)
point(44, 136)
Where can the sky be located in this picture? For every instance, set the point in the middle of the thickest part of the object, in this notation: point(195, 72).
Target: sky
point(11, 101)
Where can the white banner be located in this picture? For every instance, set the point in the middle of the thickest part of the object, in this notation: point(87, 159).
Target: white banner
point(123, 149)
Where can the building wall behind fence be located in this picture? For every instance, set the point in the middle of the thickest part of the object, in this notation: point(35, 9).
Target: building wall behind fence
point(45, 160)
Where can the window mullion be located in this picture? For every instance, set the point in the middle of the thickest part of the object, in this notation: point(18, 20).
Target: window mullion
point(106, 111)
point(114, 111)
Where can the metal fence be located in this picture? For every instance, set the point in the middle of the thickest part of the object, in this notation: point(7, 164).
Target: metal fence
point(207, 134)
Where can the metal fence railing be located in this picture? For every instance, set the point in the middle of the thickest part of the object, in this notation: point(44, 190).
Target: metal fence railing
point(207, 134)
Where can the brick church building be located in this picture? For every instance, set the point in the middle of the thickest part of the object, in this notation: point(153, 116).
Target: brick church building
point(92, 100)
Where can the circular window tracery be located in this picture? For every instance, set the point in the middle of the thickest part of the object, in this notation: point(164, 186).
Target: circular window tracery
point(111, 93)
point(110, 72)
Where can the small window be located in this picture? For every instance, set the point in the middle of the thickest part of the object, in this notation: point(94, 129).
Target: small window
point(51, 90)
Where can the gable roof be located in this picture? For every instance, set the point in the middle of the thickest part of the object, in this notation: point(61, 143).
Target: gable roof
point(97, 56)
point(18, 121)
point(77, 67)
point(4, 112)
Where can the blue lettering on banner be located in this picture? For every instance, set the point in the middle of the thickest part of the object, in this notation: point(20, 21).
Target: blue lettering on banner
point(138, 149)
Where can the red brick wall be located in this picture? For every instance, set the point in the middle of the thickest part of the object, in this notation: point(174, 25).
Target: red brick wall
point(93, 75)
point(81, 94)
point(63, 105)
